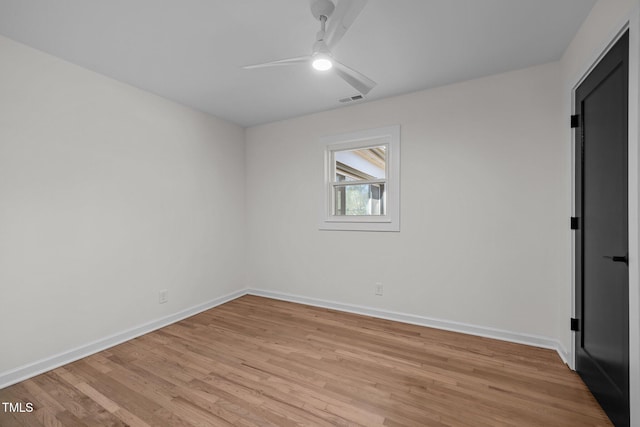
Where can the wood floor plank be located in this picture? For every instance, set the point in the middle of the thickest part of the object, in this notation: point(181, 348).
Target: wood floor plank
point(261, 362)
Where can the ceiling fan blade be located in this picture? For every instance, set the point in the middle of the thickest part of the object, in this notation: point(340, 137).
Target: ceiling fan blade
point(288, 61)
point(359, 81)
point(343, 16)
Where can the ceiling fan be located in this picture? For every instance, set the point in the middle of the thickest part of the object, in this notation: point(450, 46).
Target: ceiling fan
point(335, 20)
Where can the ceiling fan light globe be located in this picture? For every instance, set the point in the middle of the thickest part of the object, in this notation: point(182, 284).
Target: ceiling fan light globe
point(322, 63)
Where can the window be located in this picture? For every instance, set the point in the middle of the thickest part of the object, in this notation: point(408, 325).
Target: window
point(362, 181)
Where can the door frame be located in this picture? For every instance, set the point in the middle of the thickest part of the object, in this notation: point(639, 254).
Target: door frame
point(631, 23)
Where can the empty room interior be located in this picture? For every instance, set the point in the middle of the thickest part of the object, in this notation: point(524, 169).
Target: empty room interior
point(320, 212)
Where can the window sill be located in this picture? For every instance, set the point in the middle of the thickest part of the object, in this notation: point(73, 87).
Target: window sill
point(359, 225)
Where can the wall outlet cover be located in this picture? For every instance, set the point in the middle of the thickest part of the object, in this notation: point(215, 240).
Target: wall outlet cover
point(379, 288)
point(163, 296)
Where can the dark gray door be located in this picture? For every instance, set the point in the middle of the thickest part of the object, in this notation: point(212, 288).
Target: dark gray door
point(602, 273)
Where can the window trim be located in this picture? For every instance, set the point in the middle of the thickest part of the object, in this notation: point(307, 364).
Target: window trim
point(388, 136)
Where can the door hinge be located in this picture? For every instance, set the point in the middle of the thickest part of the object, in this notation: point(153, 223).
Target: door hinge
point(575, 324)
point(574, 223)
point(575, 121)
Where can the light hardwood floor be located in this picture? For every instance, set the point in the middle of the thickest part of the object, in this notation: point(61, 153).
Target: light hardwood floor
point(256, 361)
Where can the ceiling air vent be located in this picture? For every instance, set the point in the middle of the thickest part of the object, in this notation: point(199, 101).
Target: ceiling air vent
point(351, 98)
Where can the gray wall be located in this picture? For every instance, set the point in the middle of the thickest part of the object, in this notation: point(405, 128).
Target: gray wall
point(107, 195)
point(484, 206)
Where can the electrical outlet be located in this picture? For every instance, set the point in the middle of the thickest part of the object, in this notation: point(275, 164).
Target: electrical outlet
point(378, 288)
point(163, 296)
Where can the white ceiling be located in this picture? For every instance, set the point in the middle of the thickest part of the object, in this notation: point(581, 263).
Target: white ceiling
point(192, 51)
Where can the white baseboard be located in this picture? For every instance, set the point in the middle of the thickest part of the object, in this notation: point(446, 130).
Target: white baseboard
point(27, 371)
point(516, 337)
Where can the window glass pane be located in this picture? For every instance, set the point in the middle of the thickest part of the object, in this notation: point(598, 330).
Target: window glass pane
point(362, 164)
point(359, 199)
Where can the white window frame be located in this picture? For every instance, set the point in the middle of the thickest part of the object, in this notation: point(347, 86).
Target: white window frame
point(389, 136)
